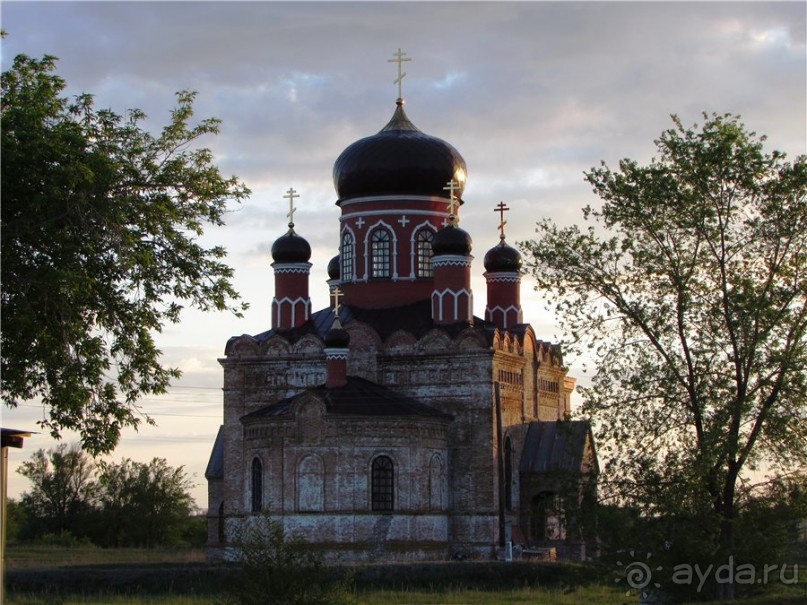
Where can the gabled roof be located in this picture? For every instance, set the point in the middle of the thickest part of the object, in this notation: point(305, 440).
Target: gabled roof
point(359, 397)
point(555, 446)
point(215, 466)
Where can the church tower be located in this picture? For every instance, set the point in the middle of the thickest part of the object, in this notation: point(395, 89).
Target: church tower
point(503, 277)
point(291, 306)
point(391, 189)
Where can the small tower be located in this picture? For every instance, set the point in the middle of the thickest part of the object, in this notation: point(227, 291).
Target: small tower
point(452, 299)
point(334, 281)
point(336, 349)
point(503, 276)
point(291, 306)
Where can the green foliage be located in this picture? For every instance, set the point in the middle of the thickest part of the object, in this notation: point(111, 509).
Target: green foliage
point(73, 502)
point(279, 570)
point(63, 491)
point(144, 504)
point(100, 231)
point(689, 290)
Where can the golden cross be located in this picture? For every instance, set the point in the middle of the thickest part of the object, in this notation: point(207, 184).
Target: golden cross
point(399, 58)
point(452, 186)
point(336, 292)
point(501, 209)
point(290, 195)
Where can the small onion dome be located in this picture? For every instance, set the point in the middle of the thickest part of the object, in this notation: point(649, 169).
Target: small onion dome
point(334, 269)
point(451, 240)
point(502, 258)
point(337, 337)
point(399, 159)
point(291, 248)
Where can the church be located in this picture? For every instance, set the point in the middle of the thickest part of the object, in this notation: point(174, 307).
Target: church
point(393, 424)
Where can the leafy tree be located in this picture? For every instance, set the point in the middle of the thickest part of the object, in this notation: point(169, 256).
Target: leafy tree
point(63, 490)
point(281, 570)
point(689, 290)
point(144, 504)
point(100, 231)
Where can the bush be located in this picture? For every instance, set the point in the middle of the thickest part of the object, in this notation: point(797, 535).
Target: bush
point(279, 570)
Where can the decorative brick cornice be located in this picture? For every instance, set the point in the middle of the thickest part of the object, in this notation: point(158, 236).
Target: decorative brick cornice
point(510, 277)
point(451, 260)
point(303, 268)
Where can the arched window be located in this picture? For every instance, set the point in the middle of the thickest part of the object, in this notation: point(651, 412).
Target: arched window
point(257, 485)
point(382, 484)
point(380, 253)
point(346, 255)
point(508, 474)
point(437, 481)
point(310, 485)
point(423, 245)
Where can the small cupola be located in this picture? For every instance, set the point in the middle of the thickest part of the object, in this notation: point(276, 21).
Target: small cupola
point(503, 276)
point(452, 299)
point(291, 305)
point(337, 340)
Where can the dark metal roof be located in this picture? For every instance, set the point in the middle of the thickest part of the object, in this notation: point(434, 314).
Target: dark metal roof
point(399, 159)
point(451, 239)
point(555, 446)
point(215, 466)
point(359, 397)
point(503, 257)
point(291, 248)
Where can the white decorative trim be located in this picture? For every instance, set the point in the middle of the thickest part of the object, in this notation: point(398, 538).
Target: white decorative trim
point(490, 314)
point(281, 268)
point(277, 306)
point(509, 277)
point(336, 353)
point(352, 278)
point(456, 296)
point(451, 260)
point(413, 253)
point(393, 251)
point(398, 198)
point(389, 211)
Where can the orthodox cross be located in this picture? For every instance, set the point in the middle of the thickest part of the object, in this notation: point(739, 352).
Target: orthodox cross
point(336, 292)
point(501, 209)
point(399, 59)
point(290, 195)
point(452, 186)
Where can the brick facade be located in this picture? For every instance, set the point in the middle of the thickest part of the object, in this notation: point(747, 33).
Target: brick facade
point(412, 441)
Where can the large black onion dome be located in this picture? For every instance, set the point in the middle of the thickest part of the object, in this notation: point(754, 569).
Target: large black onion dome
point(502, 258)
point(452, 240)
point(399, 159)
point(334, 268)
point(337, 337)
point(291, 248)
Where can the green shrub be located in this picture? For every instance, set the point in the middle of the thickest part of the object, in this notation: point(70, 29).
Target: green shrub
point(274, 569)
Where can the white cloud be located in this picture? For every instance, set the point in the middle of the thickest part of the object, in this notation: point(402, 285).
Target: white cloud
point(531, 93)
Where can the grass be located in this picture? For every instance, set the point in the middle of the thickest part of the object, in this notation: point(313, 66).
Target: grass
point(440, 587)
point(36, 556)
point(592, 595)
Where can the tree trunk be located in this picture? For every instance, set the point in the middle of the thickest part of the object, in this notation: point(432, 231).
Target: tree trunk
point(725, 591)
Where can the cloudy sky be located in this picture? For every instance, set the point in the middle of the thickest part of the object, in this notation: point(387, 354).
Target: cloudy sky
point(531, 93)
